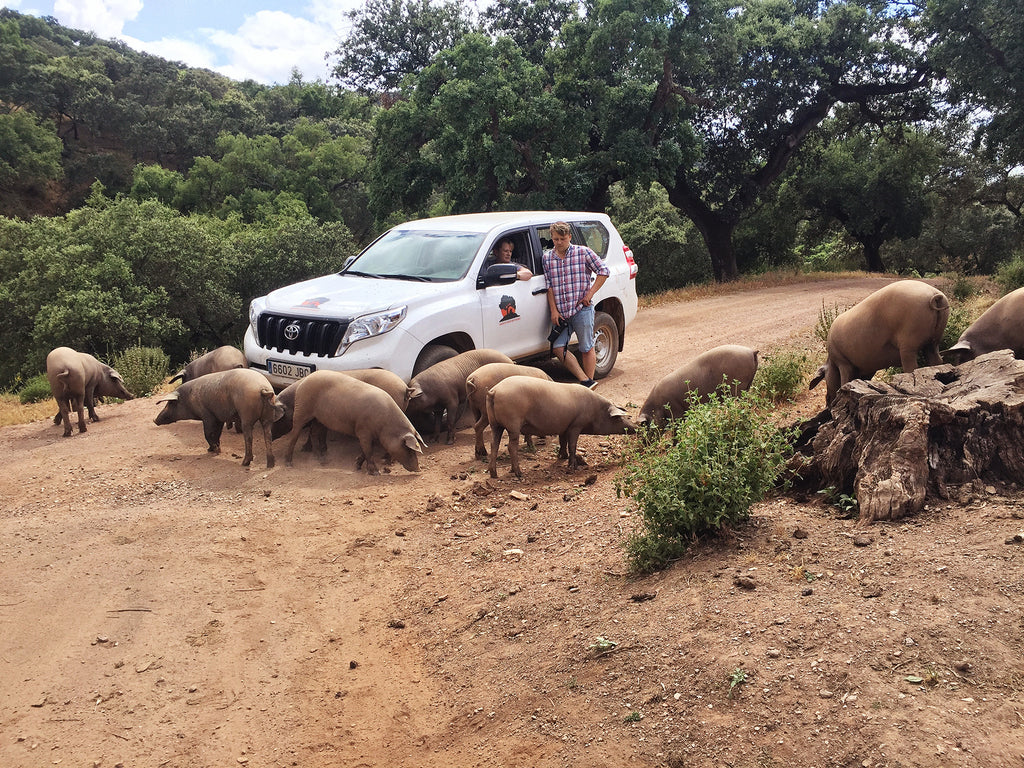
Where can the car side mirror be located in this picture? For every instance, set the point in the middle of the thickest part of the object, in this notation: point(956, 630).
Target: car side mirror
point(499, 274)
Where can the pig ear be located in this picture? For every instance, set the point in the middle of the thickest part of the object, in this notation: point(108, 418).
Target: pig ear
point(168, 398)
point(414, 392)
point(614, 410)
point(412, 442)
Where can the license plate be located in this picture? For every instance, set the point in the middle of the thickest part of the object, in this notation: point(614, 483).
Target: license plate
point(289, 370)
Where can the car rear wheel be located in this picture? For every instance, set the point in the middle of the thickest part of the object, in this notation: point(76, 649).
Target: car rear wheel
point(431, 355)
point(606, 343)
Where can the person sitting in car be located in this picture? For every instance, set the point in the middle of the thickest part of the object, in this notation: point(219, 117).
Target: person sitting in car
point(502, 254)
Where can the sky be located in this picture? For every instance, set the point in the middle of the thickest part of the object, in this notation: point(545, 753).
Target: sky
point(261, 40)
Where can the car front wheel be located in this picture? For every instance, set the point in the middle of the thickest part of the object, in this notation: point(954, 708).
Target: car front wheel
point(606, 343)
point(431, 355)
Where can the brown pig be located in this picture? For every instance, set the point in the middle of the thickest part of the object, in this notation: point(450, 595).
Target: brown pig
point(383, 379)
point(480, 381)
point(442, 387)
point(240, 395)
point(76, 380)
point(1001, 326)
point(353, 407)
point(729, 364)
point(528, 406)
point(886, 329)
point(224, 358)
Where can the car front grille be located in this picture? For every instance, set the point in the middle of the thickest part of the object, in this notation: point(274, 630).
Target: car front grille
point(311, 337)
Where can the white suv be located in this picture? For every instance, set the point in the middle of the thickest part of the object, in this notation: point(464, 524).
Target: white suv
point(428, 289)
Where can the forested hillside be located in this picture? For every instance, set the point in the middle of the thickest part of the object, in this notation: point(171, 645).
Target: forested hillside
point(145, 202)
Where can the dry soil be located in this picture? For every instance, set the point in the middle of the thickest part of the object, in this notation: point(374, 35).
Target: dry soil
point(161, 606)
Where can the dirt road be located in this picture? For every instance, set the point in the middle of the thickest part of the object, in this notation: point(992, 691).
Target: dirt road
point(160, 606)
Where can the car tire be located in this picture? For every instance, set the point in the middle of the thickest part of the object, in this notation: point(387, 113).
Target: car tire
point(433, 354)
point(606, 343)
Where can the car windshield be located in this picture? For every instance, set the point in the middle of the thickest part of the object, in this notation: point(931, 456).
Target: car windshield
point(426, 255)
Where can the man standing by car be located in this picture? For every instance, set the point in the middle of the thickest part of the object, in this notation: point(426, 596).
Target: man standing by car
point(567, 269)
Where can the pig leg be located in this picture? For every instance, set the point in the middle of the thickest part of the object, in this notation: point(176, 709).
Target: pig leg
point(454, 412)
point(572, 438)
point(496, 432)
point(247, 436)
point(366, 446)
point(908, 360)
point(513, 451)
point(90, 404)
point(63, 414)
point(268, 439)
point(212, 428)
point(481, 423)
point(931, 354)
point(318, 437)
point(78, 403)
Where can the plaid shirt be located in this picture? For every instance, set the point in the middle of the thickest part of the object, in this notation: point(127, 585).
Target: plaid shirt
point(569, 278)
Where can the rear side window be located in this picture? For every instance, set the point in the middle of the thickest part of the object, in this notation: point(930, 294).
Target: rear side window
point(592, 234)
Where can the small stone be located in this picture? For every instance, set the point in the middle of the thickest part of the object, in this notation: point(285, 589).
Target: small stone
point(806, 591)
point(591, 479)
point(1017, 538)
point(396, 624)
point(518, 496)
point(773, 653)
point(824, 693)
point(990, 489)
point(799, 533)
point(872, 590)
point(744, 582)
point(353, 664)
point(512, 553)
point(102, 639)
point(862, 540)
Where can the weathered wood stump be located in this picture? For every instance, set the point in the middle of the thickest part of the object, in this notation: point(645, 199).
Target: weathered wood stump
point(892, 445)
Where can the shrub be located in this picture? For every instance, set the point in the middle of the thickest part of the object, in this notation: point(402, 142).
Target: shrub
point(35, 390)
point(961, 287)
point(780, 376)
point(960, 316)
point(701, 475)
point(142, 368)
point(1010, 274)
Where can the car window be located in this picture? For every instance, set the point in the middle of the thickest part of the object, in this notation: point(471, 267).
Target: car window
point(522, 249)
point(592, 234)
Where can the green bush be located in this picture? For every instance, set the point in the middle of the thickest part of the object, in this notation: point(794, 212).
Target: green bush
point(781, 375)
point(35, 390)
point(701, 475)
point(961, 288)
point(1010, 274)
point(960, 316)
point(142, 368)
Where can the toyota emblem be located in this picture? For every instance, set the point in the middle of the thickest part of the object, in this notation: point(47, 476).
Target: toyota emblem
point(291, 331)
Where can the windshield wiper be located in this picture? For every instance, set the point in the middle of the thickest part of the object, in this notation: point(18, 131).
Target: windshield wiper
point(417, 278)
point(361, 274)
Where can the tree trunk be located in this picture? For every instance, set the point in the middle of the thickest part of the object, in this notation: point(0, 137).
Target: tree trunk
point(921, 435)
point(872, 252)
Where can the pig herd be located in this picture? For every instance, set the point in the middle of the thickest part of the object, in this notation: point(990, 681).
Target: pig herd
point(889, 328)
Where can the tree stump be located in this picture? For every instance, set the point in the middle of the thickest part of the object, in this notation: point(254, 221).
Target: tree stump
point(892, 445)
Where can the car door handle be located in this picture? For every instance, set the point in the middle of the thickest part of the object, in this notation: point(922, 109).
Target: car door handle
point(539, 291)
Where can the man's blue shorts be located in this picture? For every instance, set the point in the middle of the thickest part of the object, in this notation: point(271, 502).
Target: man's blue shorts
point(582, 323)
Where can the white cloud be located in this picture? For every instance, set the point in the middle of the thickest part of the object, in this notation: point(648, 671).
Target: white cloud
point(105, 18)
point(189, 53)
point(269, 44)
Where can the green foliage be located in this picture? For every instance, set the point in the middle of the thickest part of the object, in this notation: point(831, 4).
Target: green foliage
point(668, 249)
point(961, 287)
point(780, 376)
point(960, 317)
point(36, 389)
point(738, 677)
point(29, 152)
point(142, 368)
point(701, 475)
point(844, 502)
point(1010, 275)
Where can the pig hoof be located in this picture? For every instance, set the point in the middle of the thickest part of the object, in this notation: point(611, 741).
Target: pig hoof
point(247, 461)
point(68, 433)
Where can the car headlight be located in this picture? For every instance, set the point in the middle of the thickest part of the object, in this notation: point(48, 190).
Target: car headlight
point(255, 307)
point(371, 325)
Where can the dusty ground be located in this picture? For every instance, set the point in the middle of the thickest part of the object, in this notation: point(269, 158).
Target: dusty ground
point(160, 606)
